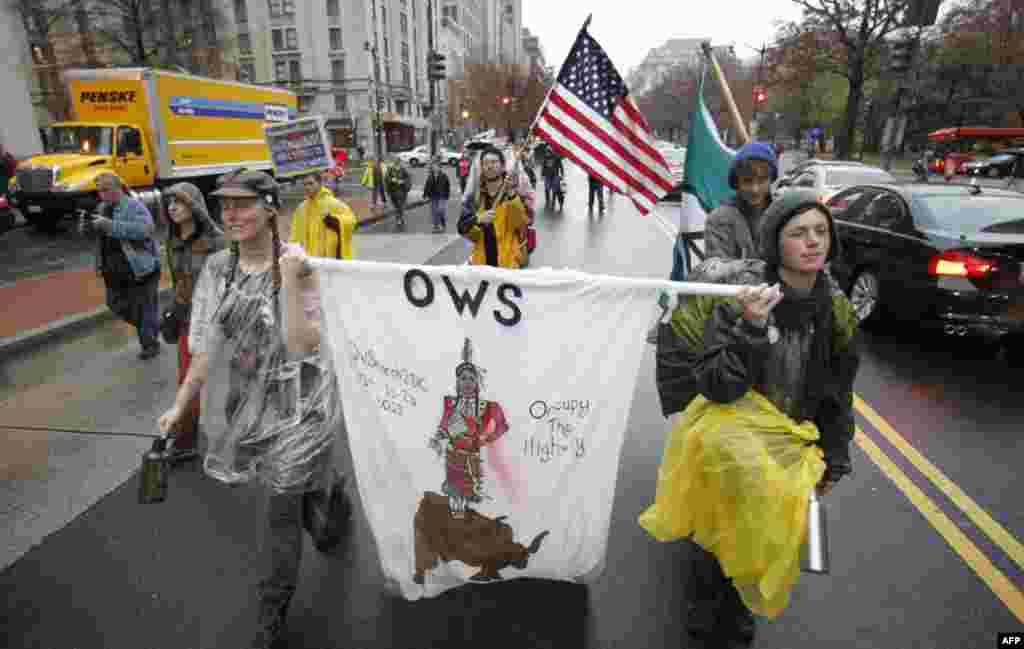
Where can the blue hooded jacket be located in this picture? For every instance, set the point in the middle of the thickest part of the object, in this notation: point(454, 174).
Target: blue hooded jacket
point(755, 151)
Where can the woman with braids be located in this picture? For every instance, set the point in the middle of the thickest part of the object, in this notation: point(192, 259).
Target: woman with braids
point(271, 407)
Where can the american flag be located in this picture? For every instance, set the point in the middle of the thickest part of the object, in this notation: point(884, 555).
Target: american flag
point(590, 118)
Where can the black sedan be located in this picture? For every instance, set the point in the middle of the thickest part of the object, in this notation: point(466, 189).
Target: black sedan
point(946, 256)
point(998, 166)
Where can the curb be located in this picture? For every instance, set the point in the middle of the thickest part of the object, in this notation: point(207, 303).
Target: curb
point(33, 338)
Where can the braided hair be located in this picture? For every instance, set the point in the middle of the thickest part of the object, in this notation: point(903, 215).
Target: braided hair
point(270, 206)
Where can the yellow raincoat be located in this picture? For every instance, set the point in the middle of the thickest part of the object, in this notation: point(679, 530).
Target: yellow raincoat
point(368, 179)
point(510, 221)
point(320, 237)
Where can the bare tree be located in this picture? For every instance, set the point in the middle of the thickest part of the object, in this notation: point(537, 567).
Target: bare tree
point(158, 33)
point(42, 19)
point(846, 36)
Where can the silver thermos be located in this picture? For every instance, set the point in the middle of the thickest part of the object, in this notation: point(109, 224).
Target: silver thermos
point(814, 552)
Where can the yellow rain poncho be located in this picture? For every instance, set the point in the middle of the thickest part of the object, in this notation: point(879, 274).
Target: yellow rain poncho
point(737, 477)
point(323, 226)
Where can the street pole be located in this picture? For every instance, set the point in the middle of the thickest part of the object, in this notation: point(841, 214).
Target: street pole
point(431, 82)
point(379, 95)
point(756, 128)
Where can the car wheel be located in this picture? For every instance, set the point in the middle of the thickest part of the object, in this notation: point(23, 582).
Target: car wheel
point(993, 172)
point(7, 220)
point(45, 221)
point(865, 297)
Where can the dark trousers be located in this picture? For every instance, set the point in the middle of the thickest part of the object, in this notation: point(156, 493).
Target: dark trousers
point(138, 304)
point(598, 191)
point(715, 604)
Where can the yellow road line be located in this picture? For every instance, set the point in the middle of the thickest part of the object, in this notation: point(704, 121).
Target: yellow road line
point(996, 532)
point(975, 559)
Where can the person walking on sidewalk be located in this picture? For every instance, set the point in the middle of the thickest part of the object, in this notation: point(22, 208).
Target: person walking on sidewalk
point(437, 190)
point(322, 224)
point(192, 238)
point(465, 162)
point(271, 405)
point(373, 180)
point(128, 258)
point(398, 183)
point(554, 173)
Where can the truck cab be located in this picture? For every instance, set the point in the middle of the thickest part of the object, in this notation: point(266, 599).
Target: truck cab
point(63, 180)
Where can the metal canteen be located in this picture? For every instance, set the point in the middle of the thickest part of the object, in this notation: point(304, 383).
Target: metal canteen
point(814, 556)
point(153, 474)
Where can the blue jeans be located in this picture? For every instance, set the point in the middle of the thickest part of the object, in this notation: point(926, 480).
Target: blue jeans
point(680, 261)
point(439, 211)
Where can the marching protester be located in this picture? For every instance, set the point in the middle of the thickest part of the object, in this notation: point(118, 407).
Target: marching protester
point(192, 238)
point(437, 190)
point(128, 258)
point(733, 228)
point(271, 407)
point(494, 215)
point(8, 167)
point(554, 172)
point(322, 224)
point(465, 162)
point(596, 189)
point(373, 180)
point(398, 182)
point(767, 416)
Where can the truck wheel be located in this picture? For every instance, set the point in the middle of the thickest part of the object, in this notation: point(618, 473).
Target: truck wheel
point(45, 221)
point(7, 220)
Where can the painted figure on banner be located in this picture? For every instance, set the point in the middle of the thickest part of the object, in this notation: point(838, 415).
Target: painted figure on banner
point(447, 528)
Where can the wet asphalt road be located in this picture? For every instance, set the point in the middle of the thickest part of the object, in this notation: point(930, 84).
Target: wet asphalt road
point(180, 574)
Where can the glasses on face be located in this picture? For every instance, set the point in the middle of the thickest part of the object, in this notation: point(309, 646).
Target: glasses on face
point(238, 203)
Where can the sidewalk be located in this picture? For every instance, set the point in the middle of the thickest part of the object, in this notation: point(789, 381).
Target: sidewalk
point(67, 300)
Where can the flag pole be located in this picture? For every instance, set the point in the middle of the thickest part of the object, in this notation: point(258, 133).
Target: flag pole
point(467, 271)
point(726, 93)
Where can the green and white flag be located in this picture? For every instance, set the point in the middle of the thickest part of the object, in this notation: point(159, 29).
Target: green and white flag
point(708, 160)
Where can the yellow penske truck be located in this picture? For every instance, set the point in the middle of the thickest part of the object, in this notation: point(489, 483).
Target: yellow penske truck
point(153, 128)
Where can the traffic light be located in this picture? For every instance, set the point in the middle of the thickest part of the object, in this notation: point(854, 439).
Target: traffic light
point(435, 66)
point(506, 100)
point(901, 55)
point(760, 96)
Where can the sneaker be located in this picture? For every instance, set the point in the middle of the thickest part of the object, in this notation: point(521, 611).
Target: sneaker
point(150, 352)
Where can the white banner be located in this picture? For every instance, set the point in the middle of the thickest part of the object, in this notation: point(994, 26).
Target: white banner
point(486, 410)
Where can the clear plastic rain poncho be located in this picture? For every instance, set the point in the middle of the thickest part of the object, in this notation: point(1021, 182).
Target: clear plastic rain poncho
point(266, 416)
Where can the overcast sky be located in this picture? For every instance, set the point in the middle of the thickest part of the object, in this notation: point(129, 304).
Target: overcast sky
point(628, 29)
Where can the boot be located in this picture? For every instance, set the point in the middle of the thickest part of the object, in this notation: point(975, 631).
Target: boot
point(736, 620)
point(270, 625)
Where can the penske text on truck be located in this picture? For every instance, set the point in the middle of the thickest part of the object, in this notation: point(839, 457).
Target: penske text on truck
point(153, 128)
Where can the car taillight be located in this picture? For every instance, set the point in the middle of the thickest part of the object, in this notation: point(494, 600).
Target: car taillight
point(953, 263)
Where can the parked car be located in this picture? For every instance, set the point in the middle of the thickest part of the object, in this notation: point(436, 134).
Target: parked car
point(945, 256)
point(416, 157)
point(676, 159)
point(827, 179)
point(448, 157)
point(998, 166)
point(794, 171)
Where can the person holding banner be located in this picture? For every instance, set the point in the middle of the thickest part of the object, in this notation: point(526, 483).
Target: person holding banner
point(494, 215)
point(767, 417)
point(271, 402)
point(322, 224)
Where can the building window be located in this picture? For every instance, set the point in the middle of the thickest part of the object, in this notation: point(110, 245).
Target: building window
point(277, 39)
point(403, 22)
point(406, 77)
point(387, 48)
point(405, 52)
point(384, 17)
point(241, 12)
point(280, 8)
point(335, 37)
point(247, 72)
point(341, 103)
point(244, 43)
point(292, 38)
point(400, 107)
point(333, 10)
point(295, 71)
point(305, 104)
point(280, 71)
point(338, 70)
